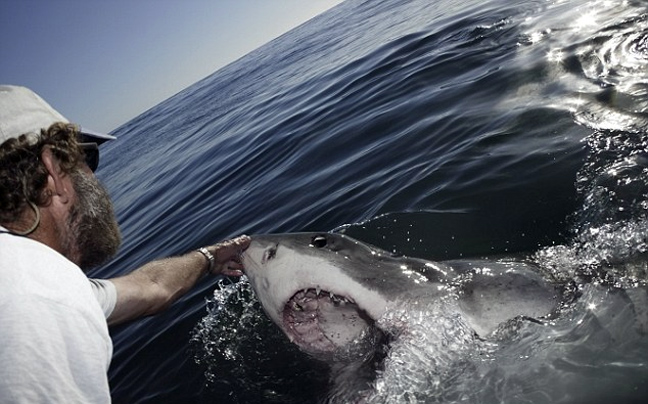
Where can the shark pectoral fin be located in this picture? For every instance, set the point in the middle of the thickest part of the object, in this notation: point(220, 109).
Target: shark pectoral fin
point(488, 301)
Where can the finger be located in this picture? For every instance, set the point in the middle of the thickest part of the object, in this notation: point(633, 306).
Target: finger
point(234, 264)
point(232, 272)
point(228, 268)
point(243, 242)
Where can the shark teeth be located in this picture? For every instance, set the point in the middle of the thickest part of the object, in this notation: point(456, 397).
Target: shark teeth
point(306, 295)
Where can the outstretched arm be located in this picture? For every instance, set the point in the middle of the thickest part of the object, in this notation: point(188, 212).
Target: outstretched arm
point(154, 286)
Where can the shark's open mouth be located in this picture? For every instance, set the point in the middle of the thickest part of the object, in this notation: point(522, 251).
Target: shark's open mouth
point(322, 322)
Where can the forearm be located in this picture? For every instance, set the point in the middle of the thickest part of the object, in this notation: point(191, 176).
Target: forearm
point(156, 285)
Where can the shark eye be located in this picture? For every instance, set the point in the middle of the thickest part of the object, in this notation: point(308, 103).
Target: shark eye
point(318, 241)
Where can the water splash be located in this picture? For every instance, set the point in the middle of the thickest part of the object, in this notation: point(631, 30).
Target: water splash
point(603, 68)
point(611, 253)
point(245, 357)
point(430, 346)
point(233, 314)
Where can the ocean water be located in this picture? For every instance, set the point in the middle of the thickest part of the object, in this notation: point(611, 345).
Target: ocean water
point(440, 130)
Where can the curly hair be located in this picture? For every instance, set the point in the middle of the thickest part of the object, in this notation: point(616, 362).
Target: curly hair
point(23, 176)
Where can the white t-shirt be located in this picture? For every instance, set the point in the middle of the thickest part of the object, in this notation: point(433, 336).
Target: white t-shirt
point(54, 341)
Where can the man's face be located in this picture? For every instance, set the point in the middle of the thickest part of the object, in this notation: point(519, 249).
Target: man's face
point(93, 232)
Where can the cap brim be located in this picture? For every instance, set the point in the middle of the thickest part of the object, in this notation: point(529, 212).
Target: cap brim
point(93, 136)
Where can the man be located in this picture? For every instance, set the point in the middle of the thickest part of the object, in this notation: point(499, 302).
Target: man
point(56, 221)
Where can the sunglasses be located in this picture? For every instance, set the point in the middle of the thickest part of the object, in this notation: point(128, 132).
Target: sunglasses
point(91, 152)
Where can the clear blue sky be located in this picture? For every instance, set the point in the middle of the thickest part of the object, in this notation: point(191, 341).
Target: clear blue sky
point(103, 62)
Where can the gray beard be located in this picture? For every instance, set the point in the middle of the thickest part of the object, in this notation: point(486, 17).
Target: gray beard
point(92, 232)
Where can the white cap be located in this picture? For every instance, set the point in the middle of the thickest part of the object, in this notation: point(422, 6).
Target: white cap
point(23, 111)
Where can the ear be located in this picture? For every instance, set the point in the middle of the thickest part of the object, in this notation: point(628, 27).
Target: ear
point(58, 182)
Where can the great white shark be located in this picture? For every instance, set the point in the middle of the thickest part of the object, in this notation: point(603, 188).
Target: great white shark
point(330, 294)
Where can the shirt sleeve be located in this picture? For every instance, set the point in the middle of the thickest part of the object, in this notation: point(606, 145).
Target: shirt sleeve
point(106, 294)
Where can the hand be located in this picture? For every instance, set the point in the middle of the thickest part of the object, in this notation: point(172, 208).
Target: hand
point(227, 256)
